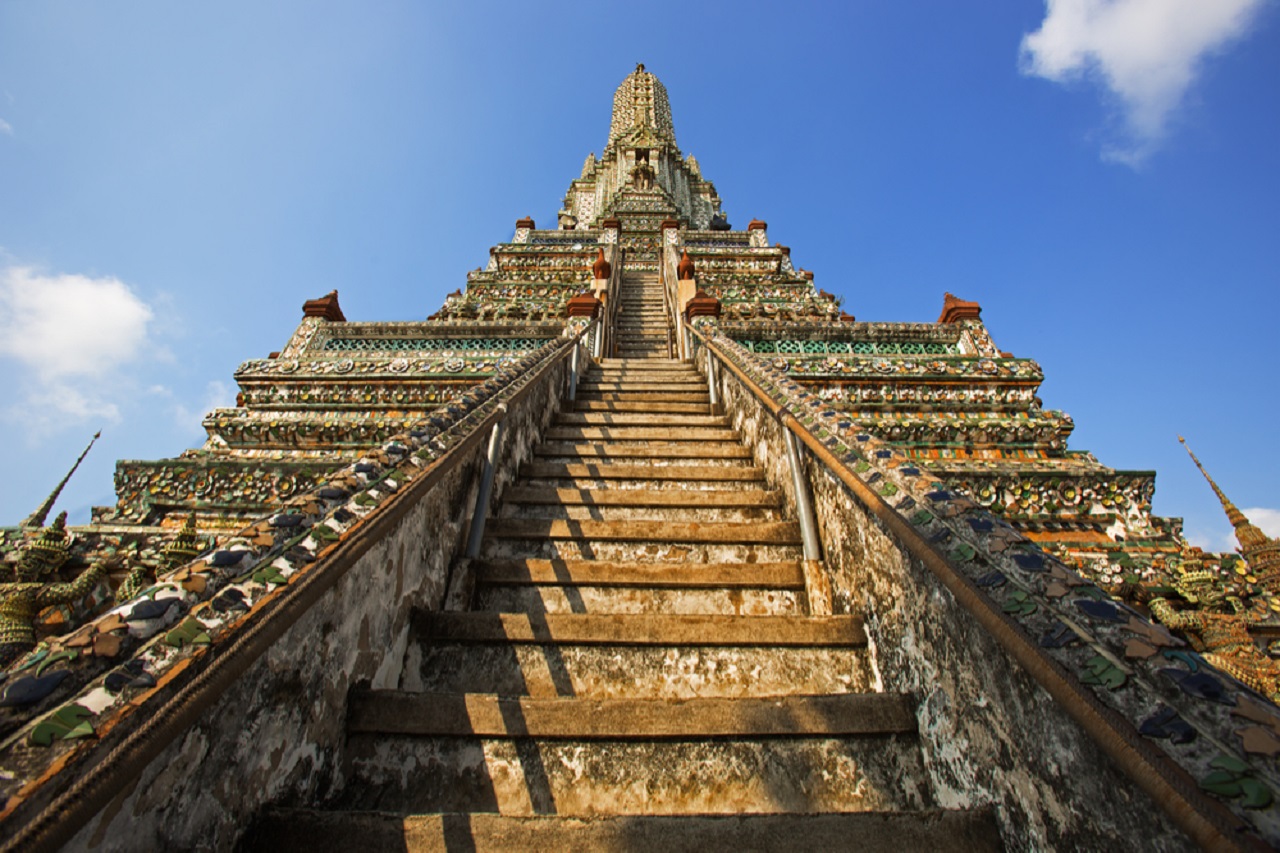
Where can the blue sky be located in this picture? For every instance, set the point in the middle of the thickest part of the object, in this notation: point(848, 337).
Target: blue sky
point(175, 180)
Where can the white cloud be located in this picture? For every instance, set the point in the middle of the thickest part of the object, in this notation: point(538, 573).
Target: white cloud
point(1146, 52)
point(217, 394)
point(73, 334)
point(6, 128)
point(69, 325)
point(1223, 540)
point(1268, 520)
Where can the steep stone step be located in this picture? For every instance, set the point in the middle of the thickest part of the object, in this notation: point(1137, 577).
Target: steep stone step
point(643, 629)
point(699, 397)
point(639, 419)
point(527, 776)
point(657, 550)
point(654, 407)
point(640, 497)
point(619, 433)
point(638, 387)
point(867, 832)
point(489, 716)
point(788, 575)
point(704, 450)
point(756, 533)
point(633, 671)
point(624, 376)
point(625, 512)
point(629, 600)
point(621, 471)
point(644, 364)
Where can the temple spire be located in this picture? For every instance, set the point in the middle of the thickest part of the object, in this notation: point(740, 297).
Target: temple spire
point(36, 519)
point(1260, 551)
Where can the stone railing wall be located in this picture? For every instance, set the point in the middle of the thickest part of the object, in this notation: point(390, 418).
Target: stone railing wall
point(232, 689)
point(1075, 716)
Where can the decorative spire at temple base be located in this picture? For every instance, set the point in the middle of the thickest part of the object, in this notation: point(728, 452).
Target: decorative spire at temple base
point(36, 519)
point(1259, 550)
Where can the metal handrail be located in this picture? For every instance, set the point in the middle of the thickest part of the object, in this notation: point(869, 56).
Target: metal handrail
point(1204, 821)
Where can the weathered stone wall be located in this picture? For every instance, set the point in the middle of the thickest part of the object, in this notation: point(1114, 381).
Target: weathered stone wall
point(989, 734)
point(276, 735)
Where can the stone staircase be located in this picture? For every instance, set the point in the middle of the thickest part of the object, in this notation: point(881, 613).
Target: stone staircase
point(643, 329)
point(638, 670)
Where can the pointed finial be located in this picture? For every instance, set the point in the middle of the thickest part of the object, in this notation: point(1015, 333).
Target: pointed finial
point(1259, 550)
point(1234, 515)
point(36, 519)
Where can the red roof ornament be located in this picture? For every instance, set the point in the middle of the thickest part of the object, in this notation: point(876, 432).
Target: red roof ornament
point(757, 225)
point(955, 309)
point(583, 305)
point(326, 307)
point(702, 305)
point(527, 222)
point(601, 268)
point(684, 271)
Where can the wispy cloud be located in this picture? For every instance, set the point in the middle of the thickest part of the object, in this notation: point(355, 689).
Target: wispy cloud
point(1224, 538)
point(217, 394)
point(1147, 53)
point(6, 128)
point(73, 334)
point(1268, 520)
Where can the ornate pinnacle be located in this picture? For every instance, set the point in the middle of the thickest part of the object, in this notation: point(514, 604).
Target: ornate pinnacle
point(1260, 551)
point(36, 519)
point(1234, 515)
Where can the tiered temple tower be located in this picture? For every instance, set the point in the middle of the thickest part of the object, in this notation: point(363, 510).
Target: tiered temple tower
point(639, 539)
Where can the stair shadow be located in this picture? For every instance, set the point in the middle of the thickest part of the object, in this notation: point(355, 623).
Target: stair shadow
point(457, 834)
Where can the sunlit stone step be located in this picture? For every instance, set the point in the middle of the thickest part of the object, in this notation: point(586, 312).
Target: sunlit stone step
point(732, 776)
point(489, 716)
point(644, 629)
point(736, 601)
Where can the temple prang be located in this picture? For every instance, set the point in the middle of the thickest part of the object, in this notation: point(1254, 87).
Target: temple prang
point(639, 540)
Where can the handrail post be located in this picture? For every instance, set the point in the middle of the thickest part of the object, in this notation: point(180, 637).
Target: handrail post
point(712, 388)
point(804, 504)
point(481, 513)
point(573, 372)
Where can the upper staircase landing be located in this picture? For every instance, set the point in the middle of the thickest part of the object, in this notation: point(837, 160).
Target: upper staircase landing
point(643, 327)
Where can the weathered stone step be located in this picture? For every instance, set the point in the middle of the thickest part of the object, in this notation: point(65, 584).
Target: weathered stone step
point(632, 671)
point(526, 776)
point(644, 364)
point(700, 397)
point(648, 629)
point(735, 601)
point(622, 471)
point(627, 406)
point(639, 419)
point(689, 498)
point(637, 387)
point(655, 550)
point(489, 716)
point(655, 450)
point(755, 533)
point(624, 512)
point(867, 832)
point(788, 575)
point(634, 433)
point(613, 375)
